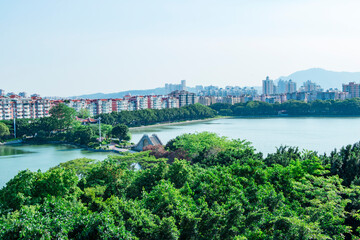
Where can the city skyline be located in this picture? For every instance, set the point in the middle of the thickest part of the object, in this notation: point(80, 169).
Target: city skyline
point(70, 48)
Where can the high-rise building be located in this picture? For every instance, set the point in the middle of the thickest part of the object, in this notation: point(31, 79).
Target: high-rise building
point(310, 86)
point(185, 97)
point(352, 88)
point(281, 86)
point(290, 86)
point(199, 88)
point(268, 86)
point(169, 87)
point(183, 85)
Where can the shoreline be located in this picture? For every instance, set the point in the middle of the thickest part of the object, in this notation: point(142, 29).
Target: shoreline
point(299, 116)
point(178, 123)
point(234, 117)
point(22, 142)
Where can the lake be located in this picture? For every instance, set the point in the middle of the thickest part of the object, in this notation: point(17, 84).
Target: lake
point(33, 157)
point(321, 134)
point(312, 133)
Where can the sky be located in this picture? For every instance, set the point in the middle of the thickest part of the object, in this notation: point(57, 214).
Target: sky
point(67, 48)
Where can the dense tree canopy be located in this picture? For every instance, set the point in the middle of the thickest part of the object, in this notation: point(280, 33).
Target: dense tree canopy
point(222, 190)
point(120, 131)
point(83, 113)
point(4, 130)
point(152, 116)
point(348, 107)
point(63, 116)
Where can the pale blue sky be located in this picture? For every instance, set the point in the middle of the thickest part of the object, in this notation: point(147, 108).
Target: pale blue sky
point(73, 47)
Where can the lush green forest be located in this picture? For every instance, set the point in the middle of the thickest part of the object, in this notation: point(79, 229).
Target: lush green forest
point(221, 189)
point(348, 107)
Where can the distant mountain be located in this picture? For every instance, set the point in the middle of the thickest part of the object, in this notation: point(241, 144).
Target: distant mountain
point(326, 79)
point(155, 91)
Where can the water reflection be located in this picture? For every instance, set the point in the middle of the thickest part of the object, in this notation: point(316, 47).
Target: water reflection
point(34, 157)
point(11, 151)
point(311, 133)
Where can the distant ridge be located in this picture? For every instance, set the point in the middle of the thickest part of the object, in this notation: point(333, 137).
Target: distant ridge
point(326, 79)
point(155, 91)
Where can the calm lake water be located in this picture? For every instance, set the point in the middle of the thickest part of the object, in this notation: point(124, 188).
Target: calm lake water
point(321, 134)
point(318, 134)
point(34, 157)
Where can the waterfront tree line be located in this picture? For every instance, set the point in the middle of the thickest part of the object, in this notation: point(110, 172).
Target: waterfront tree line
point(219, 189)
point(62, 125)
point(153, 116)
point(348, 107)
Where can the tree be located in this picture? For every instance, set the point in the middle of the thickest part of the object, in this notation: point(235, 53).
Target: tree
point(84, 135)
point(4, 130)
point(83, 113)
point(121, 131)
point(63, 115)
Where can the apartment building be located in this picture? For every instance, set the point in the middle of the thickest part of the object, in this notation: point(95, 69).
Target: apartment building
point(185, 97)
point(19, 108)
point(352, 88)
point(268, 86)
point(77, 104)
point(119, 105)
point(231, 100)
point(154, 102)
point(169, 102)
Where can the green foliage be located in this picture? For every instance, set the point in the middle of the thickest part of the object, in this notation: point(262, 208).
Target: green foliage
point(81, 165)
point(283, 156)
point(18, 191)
point(4, 130)
point(121, 131)
point(226, 191)
point(152, 116)
point(83, 113)
point(28, 188)
point(83, 135)
point(348, 107)
point(210, 149)
point(63, 115)
point(345, 163)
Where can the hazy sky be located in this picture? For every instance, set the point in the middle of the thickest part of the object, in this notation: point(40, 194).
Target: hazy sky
point(74, 47)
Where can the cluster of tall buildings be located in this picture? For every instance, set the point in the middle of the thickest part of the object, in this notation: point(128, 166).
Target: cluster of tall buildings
point(21, 106)
point(169, 87)
point(223, 92)
point(287, 90)
point(287, 86)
